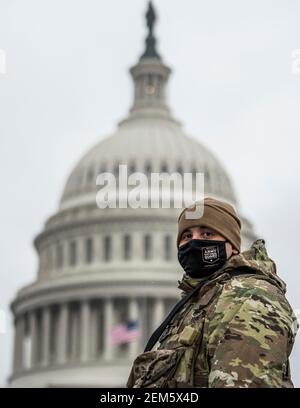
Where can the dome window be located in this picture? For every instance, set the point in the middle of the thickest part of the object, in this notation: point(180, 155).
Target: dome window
point(148, 169)
point(107, 248)
point(89, 250)
point(73, 253)
point(194, 170)
point(147, 247)
point(116, 170)
point(207, 175)
point(206, 179)
point(127, 247)
point(179, 169)
point(102, 169)
point(164, 168)
point(168, 248)
point(49, 260)
point(59, 256)
point(131, 168)
point(90, 175)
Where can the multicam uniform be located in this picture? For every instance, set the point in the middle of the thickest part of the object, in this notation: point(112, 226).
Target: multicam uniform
point(237, 331)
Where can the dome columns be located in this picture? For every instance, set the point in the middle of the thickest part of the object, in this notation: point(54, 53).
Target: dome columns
point(18, 344)
point(63, 331)
point(85, 320)
point(134, 316)
point(60, 335)
point(108, 323)
point(45, 336)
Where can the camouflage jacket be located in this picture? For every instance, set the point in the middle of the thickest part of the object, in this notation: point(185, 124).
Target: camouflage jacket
point(237, 331)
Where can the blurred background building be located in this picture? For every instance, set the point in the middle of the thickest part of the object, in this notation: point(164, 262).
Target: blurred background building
point(110, 274)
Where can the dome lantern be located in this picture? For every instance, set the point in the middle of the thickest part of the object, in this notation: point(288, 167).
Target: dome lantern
point(150, 76)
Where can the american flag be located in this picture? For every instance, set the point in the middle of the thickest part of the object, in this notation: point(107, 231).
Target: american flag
point(125, 332)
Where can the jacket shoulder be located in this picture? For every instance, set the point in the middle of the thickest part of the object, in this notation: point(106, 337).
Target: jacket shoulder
point(257, 298)
point(252, 285)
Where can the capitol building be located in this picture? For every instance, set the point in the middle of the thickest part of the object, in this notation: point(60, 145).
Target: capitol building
point(100, 267)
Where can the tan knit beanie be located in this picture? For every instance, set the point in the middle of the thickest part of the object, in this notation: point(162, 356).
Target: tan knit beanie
point(218, 215)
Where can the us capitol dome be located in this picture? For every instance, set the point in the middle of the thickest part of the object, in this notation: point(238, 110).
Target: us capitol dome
point(100, 267)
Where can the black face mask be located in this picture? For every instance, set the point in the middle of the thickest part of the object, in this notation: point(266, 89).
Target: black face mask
point(200, 258)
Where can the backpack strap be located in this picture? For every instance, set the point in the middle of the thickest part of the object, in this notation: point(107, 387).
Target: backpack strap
point(157, 333)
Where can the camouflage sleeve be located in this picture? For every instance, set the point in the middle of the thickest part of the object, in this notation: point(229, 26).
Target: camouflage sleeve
point(250, 336)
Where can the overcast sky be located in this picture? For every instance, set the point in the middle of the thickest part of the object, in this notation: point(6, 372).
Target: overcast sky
point(235, 86)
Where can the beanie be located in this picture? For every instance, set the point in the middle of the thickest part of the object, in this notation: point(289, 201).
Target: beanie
point(217, 215)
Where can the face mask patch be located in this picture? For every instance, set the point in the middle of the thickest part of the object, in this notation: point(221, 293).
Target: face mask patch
point(210, 254)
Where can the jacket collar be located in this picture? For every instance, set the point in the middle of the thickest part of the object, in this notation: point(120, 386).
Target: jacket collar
point(255, 261)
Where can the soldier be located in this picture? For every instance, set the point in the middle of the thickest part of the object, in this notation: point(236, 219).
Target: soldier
point(233, 326)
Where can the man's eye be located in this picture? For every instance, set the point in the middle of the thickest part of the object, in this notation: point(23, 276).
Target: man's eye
point(207, 234)
point(185, 236)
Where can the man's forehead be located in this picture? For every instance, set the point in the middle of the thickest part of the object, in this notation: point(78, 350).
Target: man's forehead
point(201, 227)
